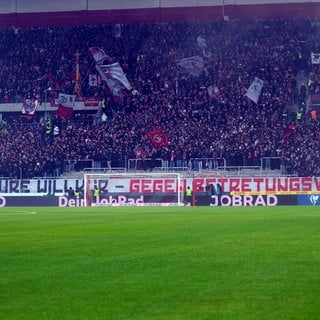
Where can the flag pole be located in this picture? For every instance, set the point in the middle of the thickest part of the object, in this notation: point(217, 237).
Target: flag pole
point(77, 77)
point(45, 103)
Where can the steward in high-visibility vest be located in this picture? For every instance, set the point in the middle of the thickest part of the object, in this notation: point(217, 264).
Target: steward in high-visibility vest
point(48, 126)
point(96, 192)
point(188, 201)
point(299, 115)
point(103, 104)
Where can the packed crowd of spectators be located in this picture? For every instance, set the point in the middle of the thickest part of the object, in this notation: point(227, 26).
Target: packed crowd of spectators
point(228, 125)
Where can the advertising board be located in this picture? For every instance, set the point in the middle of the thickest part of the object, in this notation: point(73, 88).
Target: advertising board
point(243, 191)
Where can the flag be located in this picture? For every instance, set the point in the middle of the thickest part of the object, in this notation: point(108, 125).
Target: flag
point(29, 106)
point(115, 78)
point(99, 55)
point(193, 65)
point(77, 88)
point(315, 58)
point(117, 30)
point(202, 43)
point(112, 74)
point(115, 86)
point(157, 138)
point(87, 194)
point(92, 101)
point(253, 93)
point(114, 71)
point(288, 131)
point(93, 80)
point(213, 91)
point(66, 104)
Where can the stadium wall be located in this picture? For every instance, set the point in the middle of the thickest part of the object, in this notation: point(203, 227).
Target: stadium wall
point(24, 13)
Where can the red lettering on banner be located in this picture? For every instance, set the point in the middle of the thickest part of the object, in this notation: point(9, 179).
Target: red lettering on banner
point(271, 187)
point(294, 184)
point(169, 185)
point(316, 181)
point(234, 184)
point(198, 185)
point(306, 184)
point(158, 185)
point(135, 185)
point(284, 186)
point(258, 181)
point(146, 185)
point(245, 184)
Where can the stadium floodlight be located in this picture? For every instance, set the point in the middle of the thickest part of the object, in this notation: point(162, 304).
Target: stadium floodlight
point(133, 189)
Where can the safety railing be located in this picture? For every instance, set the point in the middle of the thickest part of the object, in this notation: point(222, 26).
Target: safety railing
point(144, 164)
point(159, 164)
point(267, 164)
point(77, 165)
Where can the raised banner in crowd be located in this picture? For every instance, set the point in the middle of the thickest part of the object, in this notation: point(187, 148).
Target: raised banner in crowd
point(254, 90)
point(93, 101)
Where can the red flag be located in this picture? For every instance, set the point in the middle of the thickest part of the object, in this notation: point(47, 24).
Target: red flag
point(288, 131)
point(65, 105)
point(157, 138)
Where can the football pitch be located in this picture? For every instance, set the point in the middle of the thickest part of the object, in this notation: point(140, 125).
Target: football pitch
point(160, 263)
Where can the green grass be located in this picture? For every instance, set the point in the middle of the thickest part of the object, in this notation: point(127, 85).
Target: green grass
point(160, 263)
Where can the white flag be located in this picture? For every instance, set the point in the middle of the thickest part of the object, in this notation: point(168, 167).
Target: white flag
point(66, 103)
point(253, 93)
point(315, 58)
point(202, 43)
point(193, 65)
point(114, 71)
point(117, 30)
point(99, 55)
point(114, 85)
point(29, 106)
